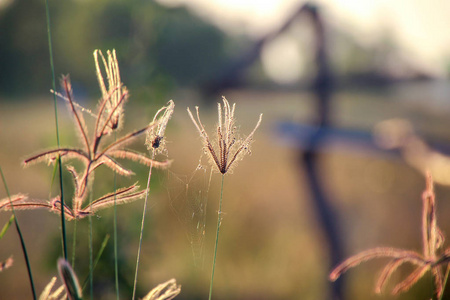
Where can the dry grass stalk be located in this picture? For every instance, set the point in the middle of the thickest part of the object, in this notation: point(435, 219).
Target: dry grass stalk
point(155, 136)
point(432, 259)
point(70, 280)
point(164, 291)
point(93, 154)
point(229, 148)
point(115, 88)
point(154, 141)
point(5, 202)
point(47, 293)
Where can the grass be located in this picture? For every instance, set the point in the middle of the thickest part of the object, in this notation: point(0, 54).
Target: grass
point(260, 227)
point(223, 154)
point(383, 182)
point(434, 258)
point(9, 201)
point(93, 154)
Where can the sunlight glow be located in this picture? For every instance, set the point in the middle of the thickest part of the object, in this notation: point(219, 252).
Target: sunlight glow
point(420, 28)
point(282, 60)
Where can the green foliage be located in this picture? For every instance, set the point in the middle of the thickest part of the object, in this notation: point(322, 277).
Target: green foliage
point(158, 46)
point(6, 226)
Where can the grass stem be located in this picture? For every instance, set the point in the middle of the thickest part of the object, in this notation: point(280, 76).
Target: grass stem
point(50, 50)
point(219, 221)
point(97, 258)
point(142, 225)
point(91, 256)
point(74, 241)
point(19, 232)
point(116, 259)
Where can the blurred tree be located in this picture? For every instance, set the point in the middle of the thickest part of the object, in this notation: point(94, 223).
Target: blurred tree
point(159, 48)
point(23, 46)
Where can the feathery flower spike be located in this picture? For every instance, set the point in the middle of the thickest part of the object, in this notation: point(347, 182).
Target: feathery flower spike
point(432, 259)
point(229, 148)
point(70, 280)
point(93, 152)
point(155, 136)
point(115, 91)
point(58, 294)
point(164, 291)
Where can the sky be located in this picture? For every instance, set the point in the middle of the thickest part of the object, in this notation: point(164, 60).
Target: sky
point(420, 28)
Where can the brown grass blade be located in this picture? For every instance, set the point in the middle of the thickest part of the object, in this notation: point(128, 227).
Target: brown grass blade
point(51, 155)
point(140, 158)
point(104, 102)
point(79, 120)
point(121, 196)
point(115, 166)
point(24, 204)
point(113, 111)
point(388, 270)
point(359, 258)
point(14, 198)
point(245, 144)
point(74, 174)
point(410, 280)
point(205, 138)
point(438, 280)
point(126, 139)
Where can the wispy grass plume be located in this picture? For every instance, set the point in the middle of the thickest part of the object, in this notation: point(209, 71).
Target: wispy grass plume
point(156, 144)
point(432, 259)
point(228, 150)
point(47, 293)
point(61, 187)
point(164, 291)
point(70, 280)
point(94, 154)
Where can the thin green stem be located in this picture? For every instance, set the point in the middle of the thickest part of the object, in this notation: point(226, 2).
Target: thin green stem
point(74, 241)
point(142, 224)
point(97, 258)
point(91, 256)
point(219, 221)
point(116, 260)
point(50, 50)
point(22, 242)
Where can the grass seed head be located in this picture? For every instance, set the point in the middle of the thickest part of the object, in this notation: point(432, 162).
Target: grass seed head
point(432, 259)
point(70, 280)
point(94, 153)
point(164, 291)
point(114, 93)
point(229, 148)
point(156, 135)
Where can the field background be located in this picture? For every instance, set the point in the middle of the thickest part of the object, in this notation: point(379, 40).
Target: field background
point(271, 244)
